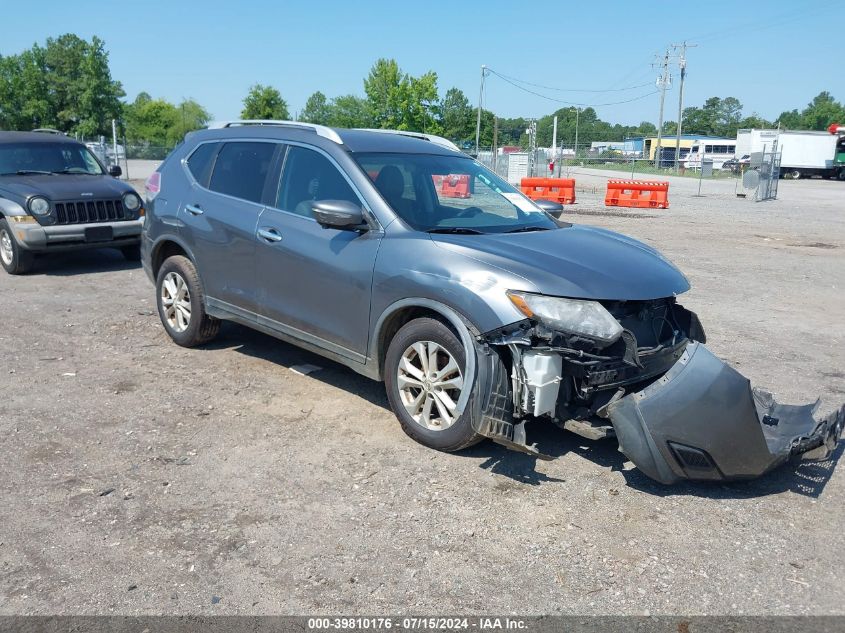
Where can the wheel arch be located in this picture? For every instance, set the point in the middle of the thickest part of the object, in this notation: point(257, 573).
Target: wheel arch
point(165, 247)
point(401, 312)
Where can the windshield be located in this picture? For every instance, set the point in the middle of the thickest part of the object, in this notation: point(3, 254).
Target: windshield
point(47, 158)
point(451, 194)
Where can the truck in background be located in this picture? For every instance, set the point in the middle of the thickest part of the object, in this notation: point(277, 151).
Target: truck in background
point(803, 153)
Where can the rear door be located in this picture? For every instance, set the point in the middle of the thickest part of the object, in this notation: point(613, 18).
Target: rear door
point(315, 282)
point(220, 216)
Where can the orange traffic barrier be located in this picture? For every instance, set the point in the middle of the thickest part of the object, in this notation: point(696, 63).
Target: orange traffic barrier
point(560, 190)
point(455, 186)
point(639, 194)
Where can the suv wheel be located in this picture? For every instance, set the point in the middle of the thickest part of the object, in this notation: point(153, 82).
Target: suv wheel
point(15, 260)
point(181, 303)
point(423, 371)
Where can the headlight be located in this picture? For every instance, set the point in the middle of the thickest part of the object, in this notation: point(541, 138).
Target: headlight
point(131, 202)
point(586, 318)
point(38, 206)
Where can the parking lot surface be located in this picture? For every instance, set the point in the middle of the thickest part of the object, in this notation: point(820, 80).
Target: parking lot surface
point(137, 477)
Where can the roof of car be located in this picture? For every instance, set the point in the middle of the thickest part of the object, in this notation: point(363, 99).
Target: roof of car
point(353, 140)
point(35, 137)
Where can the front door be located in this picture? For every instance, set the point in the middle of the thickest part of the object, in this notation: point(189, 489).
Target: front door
point(315, 282)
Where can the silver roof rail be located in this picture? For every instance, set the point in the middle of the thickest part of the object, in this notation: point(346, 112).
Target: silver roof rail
point(437, 140)
point(48, 130)
point(321, 130)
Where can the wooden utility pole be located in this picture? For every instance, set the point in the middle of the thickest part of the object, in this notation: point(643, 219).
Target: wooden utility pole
point(682, 64)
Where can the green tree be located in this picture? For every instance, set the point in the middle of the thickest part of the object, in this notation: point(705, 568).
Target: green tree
point(190, 116)
point(349, 111)
point(790, 120)
point(457, 118)
point(395, 100)
point(386, 89)
point(821, 112)
point(718, 117)
point(66, 84)
point(84, 97)
point(316, 109)
point(264, 102)
point(159, 123)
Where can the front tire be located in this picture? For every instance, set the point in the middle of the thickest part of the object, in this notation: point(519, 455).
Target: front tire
point(181, 303)
point(424, 378)
point(14, 259)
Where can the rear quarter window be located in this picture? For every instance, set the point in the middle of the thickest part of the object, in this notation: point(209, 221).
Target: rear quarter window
point(200, 162)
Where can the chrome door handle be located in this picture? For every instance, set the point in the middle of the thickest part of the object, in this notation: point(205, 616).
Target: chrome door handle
point(193, 209)
point(270, 235)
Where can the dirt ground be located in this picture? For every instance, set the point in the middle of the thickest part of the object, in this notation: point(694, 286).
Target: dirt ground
point(137, 477)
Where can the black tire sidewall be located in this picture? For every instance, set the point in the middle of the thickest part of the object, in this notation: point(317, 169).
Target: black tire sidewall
point(185, 269)
point(461, 433)
point(21, 259)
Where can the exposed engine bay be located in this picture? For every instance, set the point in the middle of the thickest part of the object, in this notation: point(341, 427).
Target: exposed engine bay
point(677, 411)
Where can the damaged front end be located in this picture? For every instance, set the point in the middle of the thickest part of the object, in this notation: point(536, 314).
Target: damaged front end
point(678, 411)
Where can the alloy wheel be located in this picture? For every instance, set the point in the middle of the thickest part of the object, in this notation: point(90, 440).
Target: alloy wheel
point(6, 252)
point(176, 302)
point(429, 380)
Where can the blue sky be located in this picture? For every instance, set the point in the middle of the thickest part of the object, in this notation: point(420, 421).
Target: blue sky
point(771, 60)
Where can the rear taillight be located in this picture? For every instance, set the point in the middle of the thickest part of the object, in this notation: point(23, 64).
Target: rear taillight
point(153, 185)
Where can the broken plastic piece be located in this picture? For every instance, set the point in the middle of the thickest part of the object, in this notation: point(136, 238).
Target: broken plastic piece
point(702, 420)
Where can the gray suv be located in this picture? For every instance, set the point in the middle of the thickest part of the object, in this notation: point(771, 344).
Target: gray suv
point(55, 195)
point(406, 260)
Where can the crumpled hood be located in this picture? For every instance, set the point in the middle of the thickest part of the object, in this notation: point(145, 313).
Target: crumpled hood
point(62, 186)
point(578, 261)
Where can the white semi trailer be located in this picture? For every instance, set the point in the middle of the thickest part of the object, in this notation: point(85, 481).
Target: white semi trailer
point(803, 153)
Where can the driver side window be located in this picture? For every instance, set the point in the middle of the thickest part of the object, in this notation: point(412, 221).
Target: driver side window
point(310, 176)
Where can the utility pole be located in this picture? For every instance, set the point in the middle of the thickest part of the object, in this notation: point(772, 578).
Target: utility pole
point(495, 157)
point(478, 120)
point(682, 64)
point(577, 116)
point(663, 82)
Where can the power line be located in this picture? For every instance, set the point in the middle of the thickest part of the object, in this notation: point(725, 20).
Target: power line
point(574, 103)
point(528, 83)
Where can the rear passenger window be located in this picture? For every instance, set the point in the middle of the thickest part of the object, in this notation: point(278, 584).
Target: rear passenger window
point(200, 162)
point(310, 176)
point(241, 169)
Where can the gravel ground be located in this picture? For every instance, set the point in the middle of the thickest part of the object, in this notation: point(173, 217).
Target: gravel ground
point(137, 477)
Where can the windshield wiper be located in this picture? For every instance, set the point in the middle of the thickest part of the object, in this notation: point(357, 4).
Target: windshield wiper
point(76, 171)
point(455, 229)
point(24, 172)
point(526, 229)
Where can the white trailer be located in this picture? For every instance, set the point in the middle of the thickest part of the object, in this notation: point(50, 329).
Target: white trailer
point(803, 153)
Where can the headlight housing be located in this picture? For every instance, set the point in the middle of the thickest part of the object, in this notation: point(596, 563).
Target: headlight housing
point(575, 316)
point(131, 201)
point(38, 206)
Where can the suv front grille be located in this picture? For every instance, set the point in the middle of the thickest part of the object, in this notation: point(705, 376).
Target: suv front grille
point(89, 211)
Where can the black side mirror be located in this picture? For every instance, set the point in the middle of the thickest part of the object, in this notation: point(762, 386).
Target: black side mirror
point(338, 214)
point(115, 171)
point(552, 208)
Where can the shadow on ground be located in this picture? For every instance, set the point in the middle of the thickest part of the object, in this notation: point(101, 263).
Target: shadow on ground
point(804, 478)
point(85, 262)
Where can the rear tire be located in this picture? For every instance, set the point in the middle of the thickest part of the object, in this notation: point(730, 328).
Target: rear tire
point(14, 259)
point(181, 303)
point(131, 253)
point(795, 174)
point(426, 353)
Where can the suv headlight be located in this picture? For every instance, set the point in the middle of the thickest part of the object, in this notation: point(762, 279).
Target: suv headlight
point(38, 206)
point(131, 202)
point(576, 316)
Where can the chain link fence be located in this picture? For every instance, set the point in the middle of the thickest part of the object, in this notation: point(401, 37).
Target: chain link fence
point(544, 163)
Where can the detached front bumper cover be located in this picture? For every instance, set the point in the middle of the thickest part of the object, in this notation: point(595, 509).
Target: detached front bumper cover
point(702, 420)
